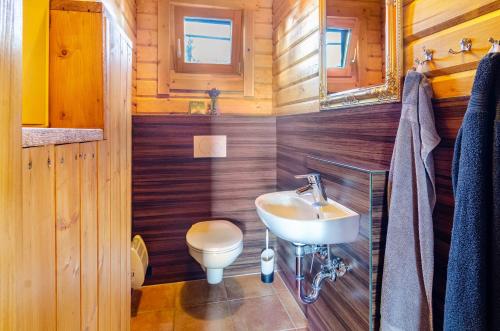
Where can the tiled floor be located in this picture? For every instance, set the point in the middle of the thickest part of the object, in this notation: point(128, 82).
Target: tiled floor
point(240, 303)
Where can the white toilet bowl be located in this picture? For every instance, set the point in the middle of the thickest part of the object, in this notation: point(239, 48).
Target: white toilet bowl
point(214, 245)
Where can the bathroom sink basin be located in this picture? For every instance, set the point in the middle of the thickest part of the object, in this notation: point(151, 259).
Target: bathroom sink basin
point(296, 219)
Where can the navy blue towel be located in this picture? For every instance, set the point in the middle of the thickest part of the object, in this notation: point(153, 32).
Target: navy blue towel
point(472, 284)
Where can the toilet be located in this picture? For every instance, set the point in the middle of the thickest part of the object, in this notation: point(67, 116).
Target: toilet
point(214, 245)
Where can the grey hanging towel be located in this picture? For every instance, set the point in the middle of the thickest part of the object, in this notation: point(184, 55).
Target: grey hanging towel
point(409, 253)
point(472, 289)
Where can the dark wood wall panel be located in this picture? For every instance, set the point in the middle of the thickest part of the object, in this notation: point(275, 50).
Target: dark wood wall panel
point(172, 190)
point(364, 137)
point(449, 114)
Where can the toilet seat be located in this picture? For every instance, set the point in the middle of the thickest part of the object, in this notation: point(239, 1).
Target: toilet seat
point(217, 236)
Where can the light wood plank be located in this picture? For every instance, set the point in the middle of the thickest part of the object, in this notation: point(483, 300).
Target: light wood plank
point(115, 103)
point(11, 313)
point(164, 56)
point(454, 85)
point(39, 238)
point(248, 53)
point(76, 103)
point(88, 235)
point(104, 233)
point(302, 91)
point(478, 29)
point(67, 173)
point(419, 23)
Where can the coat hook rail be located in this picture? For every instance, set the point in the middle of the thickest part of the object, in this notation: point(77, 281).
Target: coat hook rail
point(465, 46)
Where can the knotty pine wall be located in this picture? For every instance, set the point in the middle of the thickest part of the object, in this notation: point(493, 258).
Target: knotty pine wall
point(436, 25)
point(10, 163)
point(76, 214)
point(124, 13)
point(184, 88)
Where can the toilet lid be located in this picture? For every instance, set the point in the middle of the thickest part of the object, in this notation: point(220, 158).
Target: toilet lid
point(214, 236)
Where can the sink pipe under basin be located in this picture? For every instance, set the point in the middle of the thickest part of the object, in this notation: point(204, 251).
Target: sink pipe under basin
point(331, 269)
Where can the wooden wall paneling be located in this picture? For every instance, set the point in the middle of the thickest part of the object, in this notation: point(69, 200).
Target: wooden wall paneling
point(122, 148)
point(123, 12)
point(163, 48)
point(104, 235)
point(160, 89)
point(248, 53)
point(67, 178)
point(172, 190)
point(361, 137)
point(76, 103)
point(478, 29)
point(11, 313)
point(418, 23)
point(296, 57)
point(115, 104)
point(128, 182)
point(89, 236)
point(451, 75)
point(39, 238)
point(345, 304)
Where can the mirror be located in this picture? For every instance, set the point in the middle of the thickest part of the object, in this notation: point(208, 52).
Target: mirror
point(361, 52)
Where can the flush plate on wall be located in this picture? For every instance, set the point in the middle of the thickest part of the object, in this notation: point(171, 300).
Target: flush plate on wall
point(209, 146)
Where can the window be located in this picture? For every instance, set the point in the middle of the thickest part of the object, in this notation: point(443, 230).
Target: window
point(337, 44)
point(208, 40)
point(341, 46)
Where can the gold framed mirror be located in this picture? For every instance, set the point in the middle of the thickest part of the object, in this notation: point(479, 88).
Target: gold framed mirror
point(361, 54)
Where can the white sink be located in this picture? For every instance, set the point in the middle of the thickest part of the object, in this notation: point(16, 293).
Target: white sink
point(294, 218)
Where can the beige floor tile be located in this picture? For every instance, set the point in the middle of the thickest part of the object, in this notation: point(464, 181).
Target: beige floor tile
point(154, 297)
point(161, 320)
point(298, 318)
point(278, 283)
point(209, 317)
point(249, 286)
point(260, 314)
point(199, 292)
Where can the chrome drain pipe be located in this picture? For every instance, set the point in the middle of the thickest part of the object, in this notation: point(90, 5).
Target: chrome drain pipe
point(330, 269)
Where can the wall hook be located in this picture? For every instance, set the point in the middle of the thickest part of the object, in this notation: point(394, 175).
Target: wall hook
point(428, 55)
point(465, 46)
point(495, 45)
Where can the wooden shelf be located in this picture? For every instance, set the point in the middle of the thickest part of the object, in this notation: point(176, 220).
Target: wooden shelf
point(58, 136)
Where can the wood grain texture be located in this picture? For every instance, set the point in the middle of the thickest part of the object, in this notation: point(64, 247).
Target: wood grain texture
point(104, 234)
point(356, 136)
point(68, 220)
point(75, 50)
point(39, 238)
point(88, 236)
point(349, 303)
point(11, 311)
point(296, 56)
point(53, 136)
point(172, 190)
point(161, 90)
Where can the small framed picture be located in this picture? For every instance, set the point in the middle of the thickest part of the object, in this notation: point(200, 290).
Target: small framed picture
point(198, 108)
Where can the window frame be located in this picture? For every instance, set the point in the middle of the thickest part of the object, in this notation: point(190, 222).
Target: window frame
point(210, 13)
point(351, 23)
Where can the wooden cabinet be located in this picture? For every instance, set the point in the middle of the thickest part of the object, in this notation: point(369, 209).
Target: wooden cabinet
point(77, 210)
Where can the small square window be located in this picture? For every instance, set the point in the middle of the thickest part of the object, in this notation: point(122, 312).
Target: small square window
point(208, 40)
point(337, 45)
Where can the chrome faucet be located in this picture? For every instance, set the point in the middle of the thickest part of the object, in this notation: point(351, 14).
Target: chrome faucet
point(314, 186)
